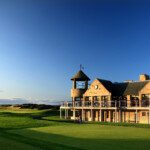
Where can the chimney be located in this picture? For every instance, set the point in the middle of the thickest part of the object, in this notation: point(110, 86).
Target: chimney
point(144, 77)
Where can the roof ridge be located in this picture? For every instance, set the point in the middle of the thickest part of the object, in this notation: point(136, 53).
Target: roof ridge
point(103, 79)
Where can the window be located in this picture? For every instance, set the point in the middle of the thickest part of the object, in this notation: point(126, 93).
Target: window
point(146, 96)
point(143, 114)
point(104, 97)
point(145, 100)
point(95, 98)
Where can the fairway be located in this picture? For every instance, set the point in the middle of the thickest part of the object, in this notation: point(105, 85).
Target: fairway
point(33, 129)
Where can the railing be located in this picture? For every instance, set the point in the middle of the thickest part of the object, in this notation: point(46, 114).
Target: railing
point(104, 103)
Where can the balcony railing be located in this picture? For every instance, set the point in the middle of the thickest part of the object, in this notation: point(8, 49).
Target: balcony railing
point(103, 104)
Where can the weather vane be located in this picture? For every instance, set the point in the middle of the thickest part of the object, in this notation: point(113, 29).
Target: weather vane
point(81, 67)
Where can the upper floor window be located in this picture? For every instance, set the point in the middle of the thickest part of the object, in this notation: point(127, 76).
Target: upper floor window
point(87, 98)
point(146, 96)
point(95, 98)
point(104, 97)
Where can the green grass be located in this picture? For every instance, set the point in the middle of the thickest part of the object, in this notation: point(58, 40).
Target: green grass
point(34, 129)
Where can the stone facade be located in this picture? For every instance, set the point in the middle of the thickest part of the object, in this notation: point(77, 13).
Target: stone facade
point(109, 102)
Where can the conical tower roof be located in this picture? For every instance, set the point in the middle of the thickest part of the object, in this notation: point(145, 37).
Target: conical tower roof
point(80, 76)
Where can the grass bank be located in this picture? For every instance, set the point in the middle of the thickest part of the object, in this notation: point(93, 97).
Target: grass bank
point(42, 129)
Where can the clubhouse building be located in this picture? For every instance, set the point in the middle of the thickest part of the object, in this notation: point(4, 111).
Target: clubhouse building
point(105, 101)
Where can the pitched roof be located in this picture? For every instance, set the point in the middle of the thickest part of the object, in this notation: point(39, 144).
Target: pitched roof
point(107, 84)
point(119, 88)
point(127, 88)
point(131, 88)
point(80, 76)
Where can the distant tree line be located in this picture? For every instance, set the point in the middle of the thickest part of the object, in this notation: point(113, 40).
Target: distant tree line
point(39, 106)
point(34, 106)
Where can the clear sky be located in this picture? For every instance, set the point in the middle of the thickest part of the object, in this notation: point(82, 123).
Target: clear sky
point(43, 42)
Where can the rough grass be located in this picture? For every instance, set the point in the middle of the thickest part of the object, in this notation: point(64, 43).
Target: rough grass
point(33, 129)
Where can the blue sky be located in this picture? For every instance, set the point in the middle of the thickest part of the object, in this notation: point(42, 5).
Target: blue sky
point(43, 42)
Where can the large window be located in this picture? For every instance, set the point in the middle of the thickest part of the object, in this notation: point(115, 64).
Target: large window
point(145, 100)
point(146, 96)
point(104, 97)
point(95, 98)
point(87, 98)
point(134, 101)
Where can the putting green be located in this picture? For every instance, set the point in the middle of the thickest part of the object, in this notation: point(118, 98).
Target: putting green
point(34, 130)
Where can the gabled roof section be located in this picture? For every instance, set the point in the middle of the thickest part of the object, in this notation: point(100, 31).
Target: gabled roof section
point(80, 76)
point(106, 83)
point(131, 88)
point(118, 89)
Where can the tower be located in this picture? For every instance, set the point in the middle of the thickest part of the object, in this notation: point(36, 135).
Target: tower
point(80, 85)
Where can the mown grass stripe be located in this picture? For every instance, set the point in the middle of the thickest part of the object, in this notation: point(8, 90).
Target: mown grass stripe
point(37, 143)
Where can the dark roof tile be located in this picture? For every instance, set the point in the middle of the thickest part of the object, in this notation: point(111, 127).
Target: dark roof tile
point(107, 84)
point(131, 88)
point(122, 89)
point(80, 76)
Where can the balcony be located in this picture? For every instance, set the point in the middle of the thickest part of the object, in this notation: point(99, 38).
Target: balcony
point(80, 104)
point(121, 104)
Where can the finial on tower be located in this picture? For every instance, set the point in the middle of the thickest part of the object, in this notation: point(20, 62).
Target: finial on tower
point(81, 67)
